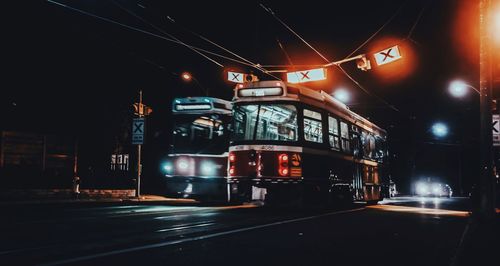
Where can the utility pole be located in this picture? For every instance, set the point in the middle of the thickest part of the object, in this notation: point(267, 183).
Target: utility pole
point(486, 191)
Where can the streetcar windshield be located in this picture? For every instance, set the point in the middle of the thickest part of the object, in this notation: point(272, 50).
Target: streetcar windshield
point(265, 122)
point(201, 133)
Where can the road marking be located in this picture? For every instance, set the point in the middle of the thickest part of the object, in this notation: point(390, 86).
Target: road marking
point(191, 239)
point(420, 210)
point(186, 226)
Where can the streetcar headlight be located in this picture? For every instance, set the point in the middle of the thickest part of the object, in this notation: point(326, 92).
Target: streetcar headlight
point(183, 165)
point(207, 169)
point(168, 167)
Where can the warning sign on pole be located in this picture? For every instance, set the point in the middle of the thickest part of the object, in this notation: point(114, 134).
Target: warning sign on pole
point(306, 75)
point(388, 55)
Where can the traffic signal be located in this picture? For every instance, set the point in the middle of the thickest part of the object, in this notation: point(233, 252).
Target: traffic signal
point(251, 78)
point(363, 63)
point(142, 109)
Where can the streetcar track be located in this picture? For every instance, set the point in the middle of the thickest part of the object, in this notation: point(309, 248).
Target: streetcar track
point(195, 238)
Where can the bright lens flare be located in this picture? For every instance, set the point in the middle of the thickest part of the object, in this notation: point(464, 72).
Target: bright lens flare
point(439, 130)
point(496, 25)
point(342, 95)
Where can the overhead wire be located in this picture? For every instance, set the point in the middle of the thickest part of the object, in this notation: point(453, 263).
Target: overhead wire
point(367, 91)
point(292, 31)
point(254, 65)
point(379, 30)
point(164, 32)
point(143, 31)
point(417, 20)
point(338, 65)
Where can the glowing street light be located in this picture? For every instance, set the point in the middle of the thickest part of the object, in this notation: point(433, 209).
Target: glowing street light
point(342, 95)
point(459, 88)
point(439, 130)
point(186, 76)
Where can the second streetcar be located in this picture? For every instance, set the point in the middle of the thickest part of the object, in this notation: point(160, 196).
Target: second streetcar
point(196, 165)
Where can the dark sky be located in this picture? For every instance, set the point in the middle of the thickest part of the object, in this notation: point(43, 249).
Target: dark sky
point(68, 72)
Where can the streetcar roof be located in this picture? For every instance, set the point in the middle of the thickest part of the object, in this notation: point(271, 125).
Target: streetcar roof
point(281, 91)
point(197, 105)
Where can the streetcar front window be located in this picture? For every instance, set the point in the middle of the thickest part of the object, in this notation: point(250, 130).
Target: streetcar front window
point(200, 133)
point(265, 122)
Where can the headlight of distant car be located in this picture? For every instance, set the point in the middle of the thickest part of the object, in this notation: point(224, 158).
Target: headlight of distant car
point(422, 188)
point(436, 189)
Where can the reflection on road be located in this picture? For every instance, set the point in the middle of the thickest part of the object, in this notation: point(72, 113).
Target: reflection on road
point(420, 210)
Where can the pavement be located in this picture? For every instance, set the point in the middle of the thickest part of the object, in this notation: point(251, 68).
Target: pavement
point(479, 243)
point(152, 199)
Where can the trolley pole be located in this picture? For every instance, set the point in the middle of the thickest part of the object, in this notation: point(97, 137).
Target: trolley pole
point(486, 208)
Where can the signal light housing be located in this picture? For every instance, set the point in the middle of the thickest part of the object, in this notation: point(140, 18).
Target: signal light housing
point(283, 164)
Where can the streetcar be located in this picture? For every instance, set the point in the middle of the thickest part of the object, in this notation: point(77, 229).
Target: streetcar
point(302, 145)
point(196, 165)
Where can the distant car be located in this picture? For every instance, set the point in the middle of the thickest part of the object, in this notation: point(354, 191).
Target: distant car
point(433, 189)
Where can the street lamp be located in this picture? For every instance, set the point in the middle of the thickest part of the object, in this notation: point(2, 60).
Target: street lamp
point(186, 76)
point(342, 95)
point(439, 130)
point(459, 88)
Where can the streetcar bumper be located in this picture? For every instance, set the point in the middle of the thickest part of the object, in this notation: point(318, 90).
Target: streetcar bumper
point(196, 187)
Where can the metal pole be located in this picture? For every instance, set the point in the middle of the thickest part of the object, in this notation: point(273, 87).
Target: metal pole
point(139, 149)
point(486, 179)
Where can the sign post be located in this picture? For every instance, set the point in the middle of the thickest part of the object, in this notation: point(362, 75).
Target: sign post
point(138, 125)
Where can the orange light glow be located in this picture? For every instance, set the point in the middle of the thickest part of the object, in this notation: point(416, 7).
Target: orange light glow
point(466, 31)
point(496, 25)
point(186, 76)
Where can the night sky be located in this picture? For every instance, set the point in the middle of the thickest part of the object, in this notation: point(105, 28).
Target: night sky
point(65, 72)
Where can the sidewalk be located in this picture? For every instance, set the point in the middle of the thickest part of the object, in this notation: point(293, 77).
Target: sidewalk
point(480, 244)
point(144, 199)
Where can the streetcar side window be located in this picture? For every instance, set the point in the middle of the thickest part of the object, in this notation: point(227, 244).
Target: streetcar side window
point(344, 134)
point(380, 148)
point(333, 133)
point(313, 127)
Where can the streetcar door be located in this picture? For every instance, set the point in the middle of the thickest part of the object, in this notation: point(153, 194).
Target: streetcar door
point(357, 148)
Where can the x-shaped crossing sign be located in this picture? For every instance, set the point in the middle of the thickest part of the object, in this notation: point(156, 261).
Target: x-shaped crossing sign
point(388, 55)
point(306, 75)
point(235, 77)
point(138, 131)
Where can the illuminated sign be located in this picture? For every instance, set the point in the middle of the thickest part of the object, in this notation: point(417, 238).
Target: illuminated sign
point(306, 75)
point(259, 92)
point(388, 55)
point(186, 107)
point(235, 77)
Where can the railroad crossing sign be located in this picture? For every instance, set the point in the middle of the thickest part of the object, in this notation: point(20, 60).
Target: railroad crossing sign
point(496, 130)
point(388, 55)
point(306, 75)
point(235, 77)
point(138, 131)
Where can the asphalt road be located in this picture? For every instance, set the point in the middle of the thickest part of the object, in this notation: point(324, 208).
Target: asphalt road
point(401, 231)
